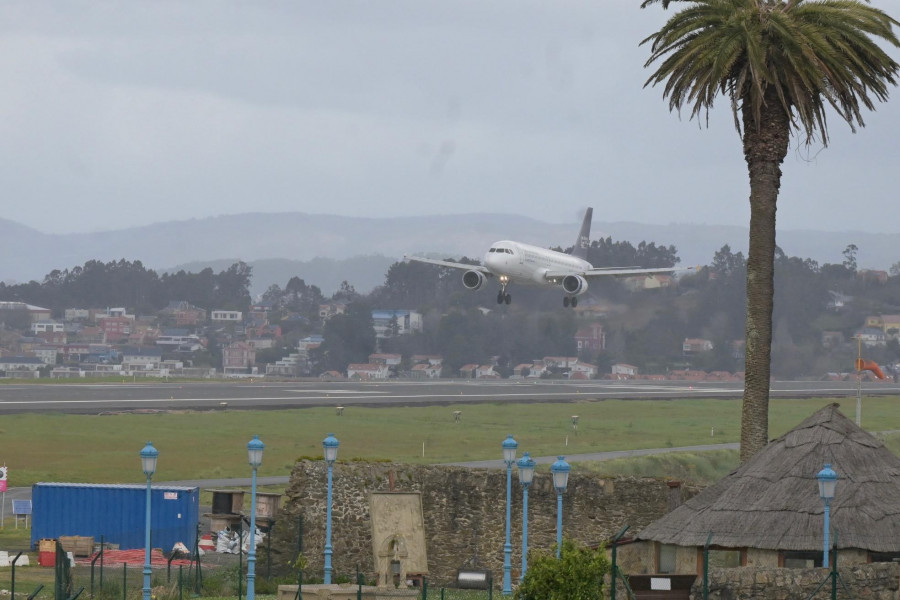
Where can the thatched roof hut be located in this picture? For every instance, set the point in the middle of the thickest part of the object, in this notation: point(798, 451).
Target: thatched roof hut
point(772, 501)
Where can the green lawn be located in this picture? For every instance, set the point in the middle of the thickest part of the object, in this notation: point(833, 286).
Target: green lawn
point(202, 445)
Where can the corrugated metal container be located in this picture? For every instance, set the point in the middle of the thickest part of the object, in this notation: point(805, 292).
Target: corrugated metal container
point(116, 512)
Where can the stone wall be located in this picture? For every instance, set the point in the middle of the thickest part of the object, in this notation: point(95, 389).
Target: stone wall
point(456, 503)
point(875, 581)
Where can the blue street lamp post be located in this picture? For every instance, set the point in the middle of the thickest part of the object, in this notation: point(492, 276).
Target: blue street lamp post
point(509, 457)
point(827, 484)
point(254, 454)
point(330, 445)
point(560, 470)
point(148, 462)
point(526, 474)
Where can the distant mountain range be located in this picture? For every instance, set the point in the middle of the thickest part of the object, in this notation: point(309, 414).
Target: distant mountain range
point(326, 249)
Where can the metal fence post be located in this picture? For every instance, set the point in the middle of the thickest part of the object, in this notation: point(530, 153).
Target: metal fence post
point(124, 581)
point(240, 533)
point(706, 567)
point(180, 582)
point(615, 566)
point(13, 575)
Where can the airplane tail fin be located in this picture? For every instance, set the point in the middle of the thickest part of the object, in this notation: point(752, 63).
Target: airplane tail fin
point(584, 236)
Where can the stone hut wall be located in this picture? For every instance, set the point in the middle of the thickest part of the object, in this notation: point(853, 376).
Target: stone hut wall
point(456, 502)
point(875, 581)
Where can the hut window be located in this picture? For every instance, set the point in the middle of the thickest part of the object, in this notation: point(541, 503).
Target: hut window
point(802, 560)
point(666, 559)
point(724, 558)
point(884, 556)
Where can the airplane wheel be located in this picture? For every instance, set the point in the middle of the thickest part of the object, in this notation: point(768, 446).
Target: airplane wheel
point(574, 302)
point(500, 298)
point(508, 298)
point(566, 302)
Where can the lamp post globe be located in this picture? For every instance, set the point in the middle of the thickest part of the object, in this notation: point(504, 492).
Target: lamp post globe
point(509, 457)
point(330, 447)
point(526, 475)
point(560, 470)
point(149, 455)
point(255, 449)
point(827, 485)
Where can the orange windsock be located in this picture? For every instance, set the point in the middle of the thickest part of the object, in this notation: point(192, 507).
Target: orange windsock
point(869, 365)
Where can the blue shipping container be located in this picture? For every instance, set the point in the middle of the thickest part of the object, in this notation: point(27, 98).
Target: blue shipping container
point(116, 512)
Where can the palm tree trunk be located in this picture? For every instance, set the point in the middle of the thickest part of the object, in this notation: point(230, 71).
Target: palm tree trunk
point(765, 146)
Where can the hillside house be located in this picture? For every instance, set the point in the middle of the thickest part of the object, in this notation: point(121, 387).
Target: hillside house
point(522, 370)
point(432, 359)
point(559, 362)
point(620, 370)
point(293, 365)
point(582, 370)
point(486, 372)
point(368, 371)
point(238, 358)
point(20, 367)
point(183, 314)
point(389, 323)
point(538, 368)
point(468, 371)
point(871, 336)
point(115, 329)
point(326, 311)
point(35, 313)
point(140, 359)
point(696, 345)
point(391, 360)
point(591, 337)
point(226, 316)
point(425, 371)
point(47, 327)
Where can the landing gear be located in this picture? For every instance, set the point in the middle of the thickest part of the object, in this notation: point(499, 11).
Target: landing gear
point(566, 301)
point(573, 301)
point(502, 297)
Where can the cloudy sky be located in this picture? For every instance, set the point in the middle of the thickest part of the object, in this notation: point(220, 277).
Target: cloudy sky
point(118, 114)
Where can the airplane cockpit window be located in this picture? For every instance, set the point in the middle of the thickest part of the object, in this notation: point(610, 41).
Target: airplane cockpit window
point(492, 250)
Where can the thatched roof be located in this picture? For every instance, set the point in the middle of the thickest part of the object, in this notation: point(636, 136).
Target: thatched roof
point(772, 501)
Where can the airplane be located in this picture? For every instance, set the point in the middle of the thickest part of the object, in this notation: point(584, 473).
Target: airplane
point(515, 262)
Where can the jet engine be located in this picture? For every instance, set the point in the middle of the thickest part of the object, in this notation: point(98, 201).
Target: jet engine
point(575, 285)
point(473, 280)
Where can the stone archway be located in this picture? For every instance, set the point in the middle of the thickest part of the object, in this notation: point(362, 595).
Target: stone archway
point(392, 559)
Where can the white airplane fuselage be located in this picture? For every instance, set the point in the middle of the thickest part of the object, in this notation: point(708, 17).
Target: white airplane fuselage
point(515, 262)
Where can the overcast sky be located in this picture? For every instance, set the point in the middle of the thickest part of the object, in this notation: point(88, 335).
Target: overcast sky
point(118, 114)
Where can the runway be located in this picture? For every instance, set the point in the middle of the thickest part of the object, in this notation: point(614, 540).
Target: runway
point(261, 395)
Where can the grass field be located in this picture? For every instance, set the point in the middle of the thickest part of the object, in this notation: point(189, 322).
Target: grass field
point(203, 445)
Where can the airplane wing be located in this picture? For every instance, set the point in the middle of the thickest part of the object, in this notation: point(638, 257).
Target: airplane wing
point(613, 271)
point(451, 265)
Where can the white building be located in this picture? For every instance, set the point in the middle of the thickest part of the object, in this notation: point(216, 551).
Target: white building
point(367, 371)
point(389, 323)
point(227, 316)
point(47, 327)
point(624, 369)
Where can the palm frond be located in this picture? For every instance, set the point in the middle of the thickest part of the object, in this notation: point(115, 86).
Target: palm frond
point(812, 54)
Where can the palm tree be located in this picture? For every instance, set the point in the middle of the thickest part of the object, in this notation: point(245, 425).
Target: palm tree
point(781, 63)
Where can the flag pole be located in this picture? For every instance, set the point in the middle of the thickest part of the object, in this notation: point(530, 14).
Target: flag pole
point(858, 380)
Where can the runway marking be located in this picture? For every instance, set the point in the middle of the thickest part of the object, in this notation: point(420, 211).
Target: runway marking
point(335, 392)
point(288, 400)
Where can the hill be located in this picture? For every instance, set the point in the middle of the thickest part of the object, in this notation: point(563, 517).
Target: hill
point(274, 243)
